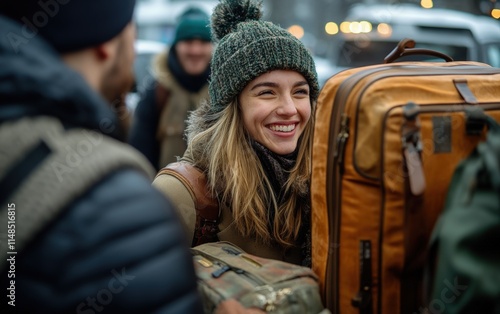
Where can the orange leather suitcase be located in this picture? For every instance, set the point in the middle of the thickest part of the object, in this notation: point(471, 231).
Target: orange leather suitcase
point(386, 142)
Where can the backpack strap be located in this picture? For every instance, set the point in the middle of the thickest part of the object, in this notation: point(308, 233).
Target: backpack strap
point(206, 206)
point(68, 163)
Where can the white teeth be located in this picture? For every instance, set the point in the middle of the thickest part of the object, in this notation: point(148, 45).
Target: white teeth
point(283, 128)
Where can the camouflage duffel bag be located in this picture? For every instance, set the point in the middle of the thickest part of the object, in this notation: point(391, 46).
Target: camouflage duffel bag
point(225, 271)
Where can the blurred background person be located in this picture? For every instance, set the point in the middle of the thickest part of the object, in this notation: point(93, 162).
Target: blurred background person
point(91, 234)
point(181, 82)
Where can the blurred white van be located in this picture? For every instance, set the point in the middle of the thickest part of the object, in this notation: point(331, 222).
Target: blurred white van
point(370, 32)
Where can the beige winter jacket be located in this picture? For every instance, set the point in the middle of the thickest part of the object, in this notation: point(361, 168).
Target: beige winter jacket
point(179, 103)
point(181, 198)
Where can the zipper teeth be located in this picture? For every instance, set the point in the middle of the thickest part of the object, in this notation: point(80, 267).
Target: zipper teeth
point(253, 278)
point(438, 108)
point(333, 175)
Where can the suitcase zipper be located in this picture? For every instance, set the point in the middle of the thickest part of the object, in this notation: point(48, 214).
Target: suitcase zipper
point(335, 160)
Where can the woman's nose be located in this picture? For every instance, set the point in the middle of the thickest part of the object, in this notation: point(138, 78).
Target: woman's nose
point(287, 107)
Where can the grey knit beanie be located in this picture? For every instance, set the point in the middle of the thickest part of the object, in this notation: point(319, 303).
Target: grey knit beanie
point(249, 47)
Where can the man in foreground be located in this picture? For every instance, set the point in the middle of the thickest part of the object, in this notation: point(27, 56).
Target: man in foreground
point(81, 228)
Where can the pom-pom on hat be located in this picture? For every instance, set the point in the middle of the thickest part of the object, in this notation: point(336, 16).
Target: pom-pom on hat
point(248, 47)
point(194, 23)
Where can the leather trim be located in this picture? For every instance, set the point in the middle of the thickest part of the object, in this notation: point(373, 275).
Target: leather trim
point(196, 182)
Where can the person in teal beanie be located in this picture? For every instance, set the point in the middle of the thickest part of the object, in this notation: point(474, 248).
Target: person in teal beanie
point(181, 81)
point(252, 138)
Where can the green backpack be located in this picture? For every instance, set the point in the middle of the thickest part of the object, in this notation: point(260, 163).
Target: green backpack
point(465, 271)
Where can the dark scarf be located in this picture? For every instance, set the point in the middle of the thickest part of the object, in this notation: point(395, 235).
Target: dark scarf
point(277, 168)
point(192, 83)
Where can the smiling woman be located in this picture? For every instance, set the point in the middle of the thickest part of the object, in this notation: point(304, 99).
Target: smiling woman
point(252, 139)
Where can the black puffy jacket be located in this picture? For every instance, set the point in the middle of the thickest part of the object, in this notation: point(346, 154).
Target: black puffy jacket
point(117, 249)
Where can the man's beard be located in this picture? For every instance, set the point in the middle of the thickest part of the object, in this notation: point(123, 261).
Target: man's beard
point(116, 84)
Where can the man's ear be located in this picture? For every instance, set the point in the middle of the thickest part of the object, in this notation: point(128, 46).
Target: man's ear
point(105, 51)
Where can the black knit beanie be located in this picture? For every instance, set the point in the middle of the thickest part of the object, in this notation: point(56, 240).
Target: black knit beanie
point(68, 25)
point(249, 47)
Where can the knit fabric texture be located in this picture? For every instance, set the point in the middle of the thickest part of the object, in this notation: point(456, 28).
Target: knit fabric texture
point(248, 48)
point(193, 24)
point(277, 169)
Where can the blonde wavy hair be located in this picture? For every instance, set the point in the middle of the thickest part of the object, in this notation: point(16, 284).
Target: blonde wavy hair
point(235, 175)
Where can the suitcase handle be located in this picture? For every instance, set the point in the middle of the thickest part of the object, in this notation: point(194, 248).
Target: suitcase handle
point(406, 47)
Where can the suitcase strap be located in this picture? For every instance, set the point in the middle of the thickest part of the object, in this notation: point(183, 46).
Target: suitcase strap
point(412, 146)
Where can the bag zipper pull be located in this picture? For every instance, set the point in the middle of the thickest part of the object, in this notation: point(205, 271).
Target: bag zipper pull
point(219, 272)
point(342, 138)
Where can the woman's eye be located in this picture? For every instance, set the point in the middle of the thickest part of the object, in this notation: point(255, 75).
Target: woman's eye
point(302, 91)
point(265, 92)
